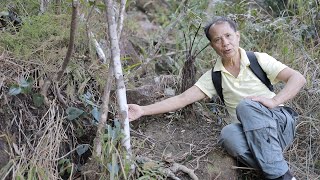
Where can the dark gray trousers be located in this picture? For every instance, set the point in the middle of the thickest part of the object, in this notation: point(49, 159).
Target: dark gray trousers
point(261, 137)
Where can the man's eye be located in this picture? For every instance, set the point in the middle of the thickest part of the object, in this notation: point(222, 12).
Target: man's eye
point(216, 40)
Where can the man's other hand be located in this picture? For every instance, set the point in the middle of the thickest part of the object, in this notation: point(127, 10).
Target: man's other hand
point(269, 103)
point(134, 111)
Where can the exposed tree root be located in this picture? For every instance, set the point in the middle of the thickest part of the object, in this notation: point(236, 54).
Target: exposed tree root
point(44, 90)
point(59, 95)
point(179, 167)
point(169, 171)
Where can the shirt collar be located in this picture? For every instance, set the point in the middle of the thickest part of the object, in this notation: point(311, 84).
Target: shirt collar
point(244, 61)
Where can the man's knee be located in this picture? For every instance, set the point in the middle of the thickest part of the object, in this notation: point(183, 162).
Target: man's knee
point(253, 115)
point(232, 139)
point(229, 130)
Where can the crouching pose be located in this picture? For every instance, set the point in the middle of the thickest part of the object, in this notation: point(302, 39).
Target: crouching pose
point(260, 127)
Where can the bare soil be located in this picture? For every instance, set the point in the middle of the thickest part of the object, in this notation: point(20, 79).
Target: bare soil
point(192, 143)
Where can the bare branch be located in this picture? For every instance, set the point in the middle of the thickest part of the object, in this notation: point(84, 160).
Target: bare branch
point(194, 38)
point(201, 50)
point(154, 51)
point(99, 50)
point(104, 112)
point(121, 17)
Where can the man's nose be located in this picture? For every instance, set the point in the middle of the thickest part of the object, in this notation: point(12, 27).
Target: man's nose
point(225, 41)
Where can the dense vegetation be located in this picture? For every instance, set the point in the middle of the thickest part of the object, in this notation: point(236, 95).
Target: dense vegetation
point(55, 141)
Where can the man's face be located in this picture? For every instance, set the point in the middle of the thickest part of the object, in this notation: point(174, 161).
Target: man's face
point(224, 40)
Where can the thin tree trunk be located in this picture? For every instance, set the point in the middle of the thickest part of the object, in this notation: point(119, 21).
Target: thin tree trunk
point(57, 77)
point(42, 9)
point(104, 112)
point(89, 33)
point(43, 6)
point(121, 90)
point(58, 7)
point(75, 5)
point(121, 16)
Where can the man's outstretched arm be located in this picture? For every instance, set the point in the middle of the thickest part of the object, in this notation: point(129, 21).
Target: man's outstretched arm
point(191, 95)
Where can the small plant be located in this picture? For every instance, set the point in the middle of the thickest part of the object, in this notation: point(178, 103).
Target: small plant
point(24, 86)
point(65, 167)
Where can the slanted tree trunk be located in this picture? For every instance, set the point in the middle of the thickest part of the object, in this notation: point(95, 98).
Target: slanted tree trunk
point(75, 5)
point(56, 78)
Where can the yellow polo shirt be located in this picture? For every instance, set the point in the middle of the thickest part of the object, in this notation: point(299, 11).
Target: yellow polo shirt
point(246, 84)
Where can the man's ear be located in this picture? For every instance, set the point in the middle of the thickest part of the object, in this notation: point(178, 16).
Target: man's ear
point(238, 34)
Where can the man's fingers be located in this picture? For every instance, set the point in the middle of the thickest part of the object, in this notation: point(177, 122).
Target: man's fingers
point(253, 98)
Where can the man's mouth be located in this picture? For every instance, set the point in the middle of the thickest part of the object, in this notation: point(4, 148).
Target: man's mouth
point(227, 51)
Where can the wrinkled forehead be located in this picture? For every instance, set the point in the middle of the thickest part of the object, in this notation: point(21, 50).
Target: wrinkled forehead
point(219, 28)
point(221, 23)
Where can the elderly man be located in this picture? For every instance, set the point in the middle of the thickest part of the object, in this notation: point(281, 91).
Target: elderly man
point(261, 127)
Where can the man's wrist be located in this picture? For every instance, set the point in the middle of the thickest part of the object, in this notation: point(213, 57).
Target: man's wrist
point(144, 111)
point(276, 101)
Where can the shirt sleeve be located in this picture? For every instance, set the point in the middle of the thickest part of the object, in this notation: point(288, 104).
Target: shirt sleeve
point(205, 84)
point(270, 65)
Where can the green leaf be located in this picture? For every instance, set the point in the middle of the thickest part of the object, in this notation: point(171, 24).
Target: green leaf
point(25, 83)
point(79, 132)
point(37, 99)
point(101, 6)
point(14, 90)
point(82, 1)
point(91, 3)
point(96, 114)
point(87, 99)
point(30, 80)
point(117, 124)
point(285, 50)
point(26, 90)
point(114, 167)
point(63, 161)
point(73, 113)
point(82, 148)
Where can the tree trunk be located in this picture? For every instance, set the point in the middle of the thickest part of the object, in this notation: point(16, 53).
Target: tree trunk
point(75, 5)
point(121, 90)
point(104, 113)
point(43, 6)
point(58, 7)
point(57, 77)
